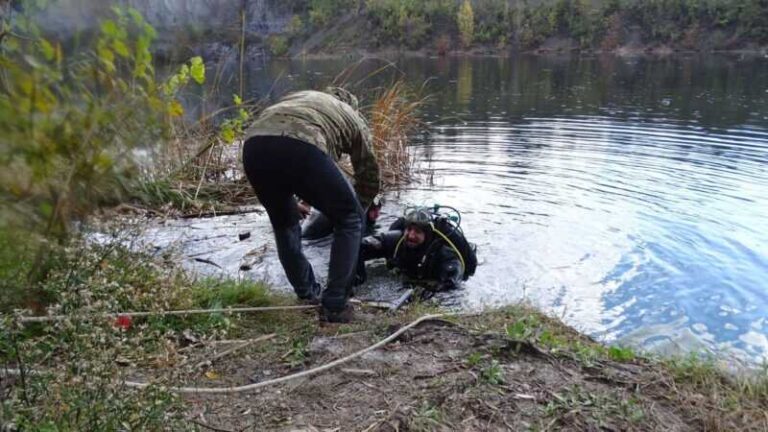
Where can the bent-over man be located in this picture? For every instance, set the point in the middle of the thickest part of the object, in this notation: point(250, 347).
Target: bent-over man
point(292, 150)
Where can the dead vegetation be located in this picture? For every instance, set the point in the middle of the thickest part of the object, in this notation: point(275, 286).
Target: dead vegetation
point(394, 116)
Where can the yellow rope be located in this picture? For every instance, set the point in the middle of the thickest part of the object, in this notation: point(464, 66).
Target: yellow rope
point(450, 243)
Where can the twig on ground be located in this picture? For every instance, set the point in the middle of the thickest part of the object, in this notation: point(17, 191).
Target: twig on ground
point(373, 425)
point(349, 335)
point(207, 261)
point(359, 372)
point(211, 214)
point(207, 426)
point(209, 362)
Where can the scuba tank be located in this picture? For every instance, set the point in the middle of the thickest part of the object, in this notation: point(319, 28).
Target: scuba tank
point(452, 233)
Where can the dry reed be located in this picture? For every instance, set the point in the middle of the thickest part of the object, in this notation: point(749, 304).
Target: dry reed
point(393, 117)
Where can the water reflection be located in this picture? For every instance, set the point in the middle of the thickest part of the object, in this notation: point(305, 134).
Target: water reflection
point(464, 82)
point(627, 195)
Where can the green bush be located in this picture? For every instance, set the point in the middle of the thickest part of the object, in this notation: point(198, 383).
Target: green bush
point(321, 12)
point(83, 358)
point(414, 23)
point(69, 123)
point(278, 45)
point(410, 22)
point(295, 26)
point(79, 385)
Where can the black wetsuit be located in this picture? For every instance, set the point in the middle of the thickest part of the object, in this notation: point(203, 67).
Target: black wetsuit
point(432, 261)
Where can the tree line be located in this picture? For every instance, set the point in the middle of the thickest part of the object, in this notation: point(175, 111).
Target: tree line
point(528, 24)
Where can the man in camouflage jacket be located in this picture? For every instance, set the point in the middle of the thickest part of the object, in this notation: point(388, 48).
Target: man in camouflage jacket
point(292, 150)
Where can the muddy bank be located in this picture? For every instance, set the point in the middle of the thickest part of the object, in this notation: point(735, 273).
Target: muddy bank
point(470, 373)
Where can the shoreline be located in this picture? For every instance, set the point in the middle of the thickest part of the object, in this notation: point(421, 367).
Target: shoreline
point(218, 50)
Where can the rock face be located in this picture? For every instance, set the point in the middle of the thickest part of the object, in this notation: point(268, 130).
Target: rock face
point(263, 17)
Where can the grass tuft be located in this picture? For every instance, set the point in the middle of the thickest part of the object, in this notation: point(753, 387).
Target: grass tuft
point(219, 293)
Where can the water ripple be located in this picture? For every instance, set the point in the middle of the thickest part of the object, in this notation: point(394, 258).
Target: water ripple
point(654, 210)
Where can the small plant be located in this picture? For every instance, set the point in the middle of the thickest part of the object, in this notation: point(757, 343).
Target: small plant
point(549, 339)
point(524, 328)
point(233, 127)
point(428, 417)
point(322, 11)
point(212, 292)
point(299, 351)
point(621, 354)
point(592, 410)
point(492, 373)
point(474, 359)
point(295, 26)
point(278, 45)
point(587, 353)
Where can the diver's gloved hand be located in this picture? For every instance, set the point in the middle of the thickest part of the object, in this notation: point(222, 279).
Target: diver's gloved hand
point(446, 285)
point(425, 294)
point(371, 243)
point(450, 277)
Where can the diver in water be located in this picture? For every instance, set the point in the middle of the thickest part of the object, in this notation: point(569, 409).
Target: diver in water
point(426, 246)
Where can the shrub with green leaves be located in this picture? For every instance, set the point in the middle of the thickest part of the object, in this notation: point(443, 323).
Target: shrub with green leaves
point(410, 22)
point(68, 122)
point(71, 122)
point(321, 12)
point(74, 367)
point(278, 45)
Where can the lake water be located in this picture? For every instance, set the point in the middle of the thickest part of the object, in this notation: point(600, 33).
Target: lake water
point(627, 196)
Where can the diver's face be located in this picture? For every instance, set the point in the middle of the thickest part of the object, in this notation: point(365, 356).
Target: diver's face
point(414, 236)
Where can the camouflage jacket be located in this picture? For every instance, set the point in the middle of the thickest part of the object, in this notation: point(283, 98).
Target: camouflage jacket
point(331, 125)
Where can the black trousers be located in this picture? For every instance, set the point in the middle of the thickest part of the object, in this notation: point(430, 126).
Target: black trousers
point(279, 168)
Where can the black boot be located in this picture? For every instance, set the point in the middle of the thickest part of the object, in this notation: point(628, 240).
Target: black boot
point(313, 296)
point(345, 315)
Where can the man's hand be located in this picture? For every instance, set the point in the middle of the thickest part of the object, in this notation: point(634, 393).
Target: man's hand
point(304, 208)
